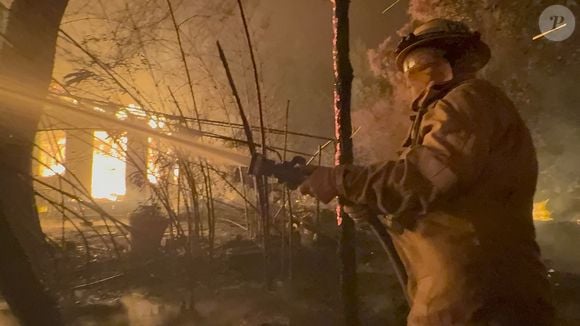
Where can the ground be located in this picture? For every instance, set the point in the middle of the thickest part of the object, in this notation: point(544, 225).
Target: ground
point(229, 288)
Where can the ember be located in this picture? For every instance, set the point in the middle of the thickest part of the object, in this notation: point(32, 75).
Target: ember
point(541, 211)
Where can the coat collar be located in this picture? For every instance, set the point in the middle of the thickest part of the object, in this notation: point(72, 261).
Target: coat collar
point(430, 94)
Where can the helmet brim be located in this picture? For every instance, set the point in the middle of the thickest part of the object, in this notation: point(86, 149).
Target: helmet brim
point(463, 47)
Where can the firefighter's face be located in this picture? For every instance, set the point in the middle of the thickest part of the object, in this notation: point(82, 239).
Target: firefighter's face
point(425, 65)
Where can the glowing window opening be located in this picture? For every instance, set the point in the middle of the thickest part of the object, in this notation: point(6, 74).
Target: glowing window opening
point(109, 166)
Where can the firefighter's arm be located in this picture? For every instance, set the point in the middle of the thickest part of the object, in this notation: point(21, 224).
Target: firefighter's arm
point(456, 136)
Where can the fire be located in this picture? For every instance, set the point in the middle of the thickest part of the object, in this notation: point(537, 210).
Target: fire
point(158, 168)
point(156, 122)
point(109, 166)
point(153, 168)
point(541, 211)
point(51, 153)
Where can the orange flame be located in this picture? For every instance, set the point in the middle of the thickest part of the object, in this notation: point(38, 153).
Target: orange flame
point(51, 153)
point(541, 211)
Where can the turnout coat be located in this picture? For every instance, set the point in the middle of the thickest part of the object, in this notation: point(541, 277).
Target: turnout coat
point(463, 189)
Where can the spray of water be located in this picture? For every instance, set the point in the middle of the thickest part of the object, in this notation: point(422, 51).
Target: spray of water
point(188, 142)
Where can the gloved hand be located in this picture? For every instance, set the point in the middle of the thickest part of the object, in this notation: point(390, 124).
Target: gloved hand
point(359, 213)
point(321, 183)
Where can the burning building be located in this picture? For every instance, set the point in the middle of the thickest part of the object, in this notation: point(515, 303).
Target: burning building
point(110, 166)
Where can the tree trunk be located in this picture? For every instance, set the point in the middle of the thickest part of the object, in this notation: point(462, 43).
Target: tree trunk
point(27, 297)
point(343, 76)
point(26, 63)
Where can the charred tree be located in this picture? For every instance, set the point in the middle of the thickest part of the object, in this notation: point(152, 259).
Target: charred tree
point(343, 76)
point(26, 63)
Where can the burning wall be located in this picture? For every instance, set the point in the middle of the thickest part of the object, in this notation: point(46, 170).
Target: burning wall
point(98, 162)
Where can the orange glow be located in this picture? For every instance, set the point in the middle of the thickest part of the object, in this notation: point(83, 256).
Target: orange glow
point(157, 122)
point(52, 152)
point(175, 172)
point(136, 111)
point(109, 166)
point(541, 211)
point(153, 168)
point(157, 170)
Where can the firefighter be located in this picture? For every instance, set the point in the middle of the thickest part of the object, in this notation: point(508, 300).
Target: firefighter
point(460, 195)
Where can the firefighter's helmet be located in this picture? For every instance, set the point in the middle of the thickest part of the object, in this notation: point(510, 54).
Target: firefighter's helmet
point(462, 47)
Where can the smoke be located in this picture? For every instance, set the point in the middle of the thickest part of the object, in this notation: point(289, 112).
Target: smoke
point(147, 311)
point(381, 103)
